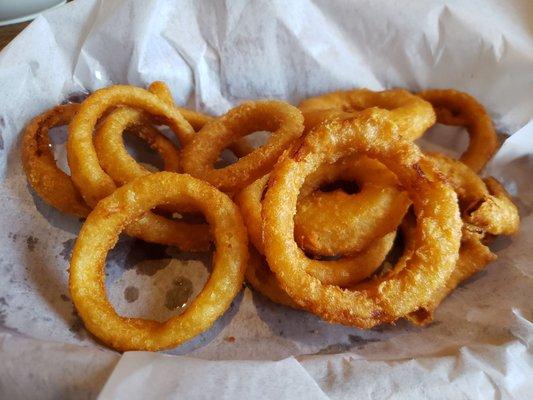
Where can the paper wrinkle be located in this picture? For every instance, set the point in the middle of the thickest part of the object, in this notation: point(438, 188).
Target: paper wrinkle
point(214, 55)
point(523, 330)
point(469, 372)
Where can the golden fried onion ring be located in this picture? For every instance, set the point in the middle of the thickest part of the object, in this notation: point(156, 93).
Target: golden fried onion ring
point(438, 229)
point(326, 222)
point(283, 120)
point(53, 185)
point(473, 257)
point(259, 276)
point(93, 182)
point(469, 187)
point(197, 120)
point(113, 155)
point(100, 233)
point(460, 109)
point(491, 213)
point(412, 115)
point(484, 204)
point(497, 214)
point(344, 271)
point(87, 174)
point(334, 223)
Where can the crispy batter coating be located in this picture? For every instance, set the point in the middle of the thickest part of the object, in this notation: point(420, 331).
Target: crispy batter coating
point(283, 120)
point(53, 185)
point(438, 229)
point(344, 271)
point(94, 183)
point(100, 233)
point(335, 223)
point(461, 109)
point(487, 211)
point(412, 115)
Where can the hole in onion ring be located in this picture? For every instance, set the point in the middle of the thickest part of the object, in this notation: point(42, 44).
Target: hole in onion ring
point(348, 187)
point(58, 140)
point(258, 139)
point(228, 156)
point(439, 137)
point(142, 153)
point(190, 217)
point(322, 258)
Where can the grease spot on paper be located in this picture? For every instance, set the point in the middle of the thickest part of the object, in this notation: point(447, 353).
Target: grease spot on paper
point(131, 294)
point(178, 295)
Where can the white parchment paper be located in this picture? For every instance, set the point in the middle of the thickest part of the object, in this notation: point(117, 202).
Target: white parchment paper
point(214, 54)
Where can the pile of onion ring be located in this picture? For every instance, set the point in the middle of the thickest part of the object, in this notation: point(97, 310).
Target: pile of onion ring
point(308, 219)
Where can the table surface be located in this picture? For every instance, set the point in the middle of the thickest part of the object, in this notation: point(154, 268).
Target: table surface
point(7, 33)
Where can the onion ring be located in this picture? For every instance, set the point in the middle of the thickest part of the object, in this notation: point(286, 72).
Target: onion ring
point(94, 183)
point(496, 214)
point(484, 204)
point(469, 187)
point(112, 153)
point(491, 213)
point(283, 120)
point(261, 279)
point(438, 229)
point(53, 185)
point(197, 120)
point(473, 257)
point(344, 271)
point(460, 109)
point(412, 116)
point(333, 223)
point(99, 234)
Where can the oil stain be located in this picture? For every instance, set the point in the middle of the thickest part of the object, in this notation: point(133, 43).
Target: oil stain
point(139, 251)
point(131, 294)
point(31, 242)
point(76, 97)
point(76, 326)
point(354, 342)
point(13, 236)
point(334, 349)
point(150, 267)
point(3, 318)
point(68, 245)
point(178, 295)
point(3, 312)
point(501, 243)
point(2, 126)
